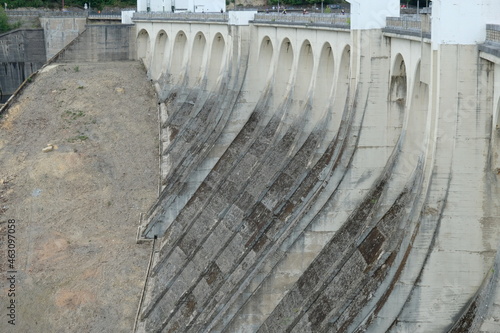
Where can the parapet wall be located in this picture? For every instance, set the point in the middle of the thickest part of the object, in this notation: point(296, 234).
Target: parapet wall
point(102, 43)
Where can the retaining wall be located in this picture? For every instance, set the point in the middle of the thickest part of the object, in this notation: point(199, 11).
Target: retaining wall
point(22, 52)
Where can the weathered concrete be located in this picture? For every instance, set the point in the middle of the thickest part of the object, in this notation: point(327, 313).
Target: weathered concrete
point(60, 30)
point(22, 53)
point(317, 178)
point(102, 43)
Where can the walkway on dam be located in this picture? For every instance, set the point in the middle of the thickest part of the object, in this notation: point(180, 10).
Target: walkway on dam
point(77, 207)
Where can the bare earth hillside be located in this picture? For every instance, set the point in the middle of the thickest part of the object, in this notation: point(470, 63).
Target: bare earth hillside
point(76, 208)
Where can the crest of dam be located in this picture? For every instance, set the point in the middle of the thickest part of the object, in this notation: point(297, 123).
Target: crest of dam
point(316, 177)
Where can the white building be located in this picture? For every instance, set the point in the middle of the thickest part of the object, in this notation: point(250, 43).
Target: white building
point(195, 6)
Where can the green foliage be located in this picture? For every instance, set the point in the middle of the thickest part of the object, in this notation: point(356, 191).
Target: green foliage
point(4, 22)
point(96, 4)
point(317, 3)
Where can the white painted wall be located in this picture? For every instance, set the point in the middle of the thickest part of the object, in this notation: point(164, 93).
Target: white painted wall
point(241, 17)
point(127, 16)
point(462, 22)
point(372, 14)
point(195, 6)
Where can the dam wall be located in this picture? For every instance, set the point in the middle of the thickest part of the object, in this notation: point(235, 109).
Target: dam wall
point(323, 174)
point(97, 43)
point(60, 29)
point(22, 53)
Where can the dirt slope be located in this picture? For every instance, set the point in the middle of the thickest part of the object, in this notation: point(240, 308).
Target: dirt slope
point(77, 267)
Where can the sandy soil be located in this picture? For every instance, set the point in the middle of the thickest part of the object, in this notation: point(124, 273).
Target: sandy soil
point(76, 208)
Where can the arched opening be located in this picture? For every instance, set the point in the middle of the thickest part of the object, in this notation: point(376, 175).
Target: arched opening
point(178, 56)
point(262, 71)
point(304, 72)
point(144, 48)
point(283, 71)
point(158, 64)
point(324, 78)
point(216, 60)
point(414, 142)
point(397, 100)
point(341, 88)
point(197, 58)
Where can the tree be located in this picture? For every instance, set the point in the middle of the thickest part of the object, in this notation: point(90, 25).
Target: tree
point(4, 22)
point(99, 4)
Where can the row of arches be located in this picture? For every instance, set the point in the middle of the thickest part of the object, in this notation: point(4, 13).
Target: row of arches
point(169, 55)
point(315, 69)
point(305, 70)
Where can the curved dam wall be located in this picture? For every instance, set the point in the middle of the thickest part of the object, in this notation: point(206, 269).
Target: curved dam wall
point(318, 178)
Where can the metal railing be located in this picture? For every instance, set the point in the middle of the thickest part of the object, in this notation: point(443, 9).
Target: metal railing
point(63, 14)
point(342, 20)
point(410, 24)
point(104, 17)
point(168, 16)
point(25, 12)
point(493, 33)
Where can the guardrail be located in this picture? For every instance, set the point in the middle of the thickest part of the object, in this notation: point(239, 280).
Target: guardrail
point(342, 20)
point(104, 17)
point(63, 14)
point(25, 12)
point(416, 25)
point(493, 33)
point(168, 16)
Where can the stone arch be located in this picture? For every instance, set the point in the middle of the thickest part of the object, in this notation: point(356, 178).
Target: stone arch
point(397, 98)
point(198, 55)
point(144, 47)
point(217, 57)
point(178, 56)
point(159, 58)
point(265, 56)
point(304, 71)
point(324, 77)
point(283, 70)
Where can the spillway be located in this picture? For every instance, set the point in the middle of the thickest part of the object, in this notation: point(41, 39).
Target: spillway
point(318, 177)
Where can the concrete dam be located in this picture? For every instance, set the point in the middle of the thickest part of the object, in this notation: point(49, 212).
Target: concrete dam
point(325, 173)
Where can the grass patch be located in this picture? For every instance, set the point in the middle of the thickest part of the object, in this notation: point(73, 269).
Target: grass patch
point(76, 69)
point(77, 138)
point(72, 115)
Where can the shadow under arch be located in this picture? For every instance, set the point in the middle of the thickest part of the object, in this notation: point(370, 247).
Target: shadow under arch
point(304, 72)
point(263, 71)
point(178, 62)
point(397, 101)
point(217, 57)
point(340, 88)
point(198, 56)
point(324, 77)
point(283, 71)
point(159, 59)
point(144, 47)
